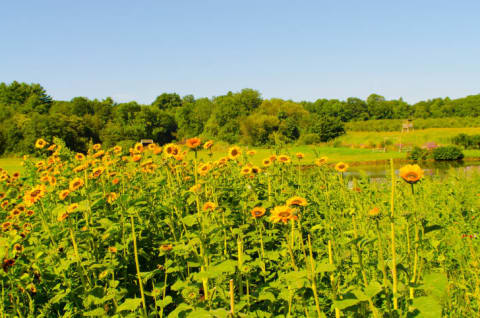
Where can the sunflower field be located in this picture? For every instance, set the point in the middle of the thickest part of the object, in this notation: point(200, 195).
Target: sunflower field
point(157, 232)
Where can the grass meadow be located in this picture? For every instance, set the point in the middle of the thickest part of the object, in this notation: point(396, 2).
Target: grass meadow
point(167, 232)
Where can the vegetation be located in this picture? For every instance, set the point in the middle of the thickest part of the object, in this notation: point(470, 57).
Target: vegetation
point(447, 153)
point(161, 233)
point(27, 112)
point(467, 141)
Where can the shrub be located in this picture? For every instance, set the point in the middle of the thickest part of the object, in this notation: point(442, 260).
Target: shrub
point(309, 139)
point(467, 141)
point(418, 153)
point(447, 153)
point(327, 128)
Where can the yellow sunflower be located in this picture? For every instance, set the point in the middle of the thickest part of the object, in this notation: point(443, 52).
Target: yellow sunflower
point(234, 152)
point(298, 201)
point(341, 167)
point(40, 143)
point(411, 173)
point(258, 212)
point(283, 214)
point(76, 184)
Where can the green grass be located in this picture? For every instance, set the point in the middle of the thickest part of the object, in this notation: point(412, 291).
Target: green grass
point(11, 164)
point(414, 138)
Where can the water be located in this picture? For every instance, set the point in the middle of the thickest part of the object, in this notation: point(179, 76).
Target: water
point(429, 167)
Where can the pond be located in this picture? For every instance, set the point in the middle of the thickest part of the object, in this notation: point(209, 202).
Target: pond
point(430, 167)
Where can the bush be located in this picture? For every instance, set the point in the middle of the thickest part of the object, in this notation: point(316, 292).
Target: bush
point(327, 128)
point(447, 153)
point(467, 141)
point(309, 139)
point(418, 153)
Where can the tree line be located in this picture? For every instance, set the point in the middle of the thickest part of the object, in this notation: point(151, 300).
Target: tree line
point(27, 112)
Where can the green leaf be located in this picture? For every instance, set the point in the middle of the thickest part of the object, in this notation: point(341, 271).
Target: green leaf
point(345, 303)
point(267, 296)
point(428, 307)
point(436, 283)
point(372, 289)
point(130, 304)
point(324, 267)
point(432, 228)
point(190, 220)
point(99, 312)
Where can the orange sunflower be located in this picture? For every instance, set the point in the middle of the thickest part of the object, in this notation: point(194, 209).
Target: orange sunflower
point(209, 206)
point(411, 173)
point(258, 212)
point(283, 214)
point(193, 143)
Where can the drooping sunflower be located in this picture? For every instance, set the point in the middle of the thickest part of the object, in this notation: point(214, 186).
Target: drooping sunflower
point(209, 206)
point(283, 214)
point(193, 143)
point(321, 161)
point(40, 143)
point(258, 212)
point(341, 167)
point(208, 144)
point(297, 201)
point(63, 194)
point(234, 152)
point(411, 173)
point(76, 184)
point(80, 167)
point(98, 154)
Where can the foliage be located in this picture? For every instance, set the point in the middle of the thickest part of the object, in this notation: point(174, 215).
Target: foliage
point(418, 153)
point(447, 153)
point(467, 141)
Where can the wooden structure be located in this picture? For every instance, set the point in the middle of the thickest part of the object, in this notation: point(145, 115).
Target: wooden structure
point(407, 125)
point(146, 142)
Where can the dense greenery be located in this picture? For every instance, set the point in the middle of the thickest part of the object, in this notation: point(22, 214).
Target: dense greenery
point(467, 141)
point(437, 153)
point(159, 235)
point(27, 112)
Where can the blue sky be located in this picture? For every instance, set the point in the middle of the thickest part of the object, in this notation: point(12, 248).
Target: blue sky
point(301, 50)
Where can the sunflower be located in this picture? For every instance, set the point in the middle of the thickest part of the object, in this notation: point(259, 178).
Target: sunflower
point(267, 162)
point(136, 158)
point(80, 156)
point(171, 150)
point(112, 249)
point(117, 149)
point(341, 167)
point(4, 204)
point(208, 144)
point(138, 148)
point(98, 154)
point(203, 169)
point(76, 184)
point(258, 212)
point(196, 188)
point(300, 155)
point(52, 147)
point(157, 150)
point(34, 195)
point(72, 207)
point(52, 181)
point(298, 201)
point(6, 226)
point(80, 167)
point(97, 147)
point(18, 248)
point(193, 143)
point(97, 172)
point(63, 194)
point(151, 147)
point(321, 161)
point(234, 152)
point(16, 175)
point(115, 181)
point(273, 158)
point(246, 170)
point(112, 197)
point(166, 247)
point(209, 206)
point(251, 152)
point(40, 143)
point(282, 213)
point(255, 169)
point(411, 173)
point(374, 212)
point(284, 159)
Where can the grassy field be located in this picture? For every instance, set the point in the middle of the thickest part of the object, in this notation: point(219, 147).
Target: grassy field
point(415, 138)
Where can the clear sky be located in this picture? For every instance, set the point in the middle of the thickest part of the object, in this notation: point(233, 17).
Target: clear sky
point(301, 50)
